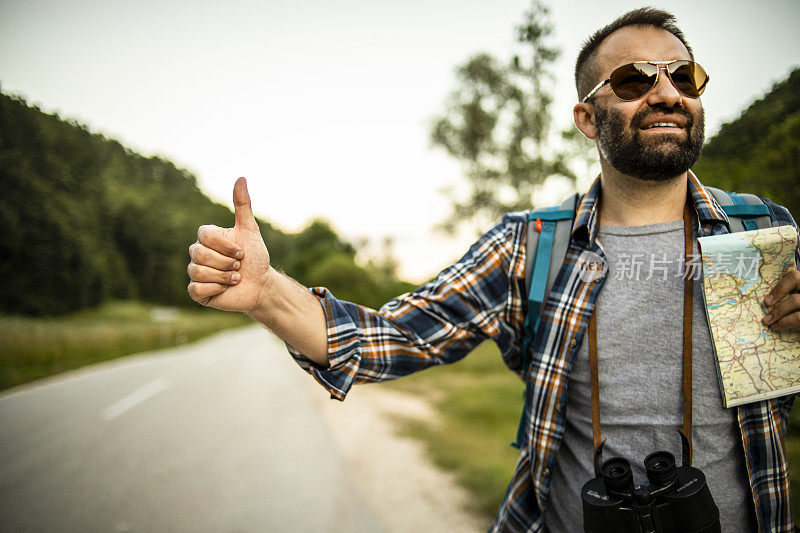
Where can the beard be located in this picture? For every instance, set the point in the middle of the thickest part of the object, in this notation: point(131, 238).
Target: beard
point(662, 157)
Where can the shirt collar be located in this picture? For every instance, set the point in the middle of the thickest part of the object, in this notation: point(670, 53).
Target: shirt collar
point(708, 210)
point(584, 229)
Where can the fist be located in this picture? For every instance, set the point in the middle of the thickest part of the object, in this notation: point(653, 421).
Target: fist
point(229, 267)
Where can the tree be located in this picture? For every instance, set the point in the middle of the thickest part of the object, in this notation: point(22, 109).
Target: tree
point(497, 122)
point(759, 152)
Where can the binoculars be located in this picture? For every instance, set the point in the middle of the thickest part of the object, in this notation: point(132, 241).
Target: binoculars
point(676, 500)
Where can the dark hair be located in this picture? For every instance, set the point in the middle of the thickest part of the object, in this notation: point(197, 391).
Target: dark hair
point(585, 68)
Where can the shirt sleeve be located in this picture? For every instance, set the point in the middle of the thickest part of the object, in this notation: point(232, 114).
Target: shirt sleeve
point(477, 298)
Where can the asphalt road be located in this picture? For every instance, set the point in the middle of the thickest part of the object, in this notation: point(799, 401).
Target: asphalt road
point(216, 436)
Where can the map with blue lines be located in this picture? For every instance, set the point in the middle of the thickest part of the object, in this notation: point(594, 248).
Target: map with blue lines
point(739, 269)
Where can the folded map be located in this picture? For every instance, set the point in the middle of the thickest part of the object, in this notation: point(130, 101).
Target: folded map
point(754, 363)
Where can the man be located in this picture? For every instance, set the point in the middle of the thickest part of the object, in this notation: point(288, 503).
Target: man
point(648, 136)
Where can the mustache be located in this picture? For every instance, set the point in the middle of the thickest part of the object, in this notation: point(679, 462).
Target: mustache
point(641, 116)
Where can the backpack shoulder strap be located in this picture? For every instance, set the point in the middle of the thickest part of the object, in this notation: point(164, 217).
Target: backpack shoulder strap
point(547, 239)
point(745, 211)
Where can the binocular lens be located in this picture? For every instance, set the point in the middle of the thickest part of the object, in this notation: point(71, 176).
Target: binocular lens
point(660, 467)
point(616, 474)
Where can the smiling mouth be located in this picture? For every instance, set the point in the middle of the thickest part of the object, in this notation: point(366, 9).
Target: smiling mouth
point(663, 126)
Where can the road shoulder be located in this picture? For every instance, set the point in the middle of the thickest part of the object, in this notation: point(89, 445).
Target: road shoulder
point(391, 470)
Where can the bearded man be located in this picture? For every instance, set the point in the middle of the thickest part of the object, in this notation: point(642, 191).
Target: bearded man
point(639, 90)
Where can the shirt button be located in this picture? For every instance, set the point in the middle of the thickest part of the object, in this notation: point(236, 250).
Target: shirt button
point(546, 472)
point(573, 343)
point(558, 408)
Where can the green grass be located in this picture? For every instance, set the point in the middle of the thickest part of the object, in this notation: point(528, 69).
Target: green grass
point(33, 348)
point(479, 402)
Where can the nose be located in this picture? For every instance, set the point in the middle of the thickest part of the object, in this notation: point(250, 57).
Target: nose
point(664, 93)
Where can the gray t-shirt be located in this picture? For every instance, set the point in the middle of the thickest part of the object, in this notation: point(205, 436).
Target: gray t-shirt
point(640, 361)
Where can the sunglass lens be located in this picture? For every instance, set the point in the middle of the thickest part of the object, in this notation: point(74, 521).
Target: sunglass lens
point(689, 78)
point(632, 81)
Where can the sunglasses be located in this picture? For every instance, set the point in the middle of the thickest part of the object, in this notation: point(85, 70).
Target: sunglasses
point(634, 80)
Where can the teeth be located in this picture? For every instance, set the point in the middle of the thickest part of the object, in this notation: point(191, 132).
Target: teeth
point(662, 124)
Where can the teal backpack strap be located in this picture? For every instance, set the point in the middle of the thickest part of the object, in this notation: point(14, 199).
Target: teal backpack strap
point(548, 233)
point(745, 211)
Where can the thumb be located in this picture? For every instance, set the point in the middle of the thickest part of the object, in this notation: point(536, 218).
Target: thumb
point(241, 206)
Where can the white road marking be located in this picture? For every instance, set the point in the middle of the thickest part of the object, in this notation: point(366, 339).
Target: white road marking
point(135, 398)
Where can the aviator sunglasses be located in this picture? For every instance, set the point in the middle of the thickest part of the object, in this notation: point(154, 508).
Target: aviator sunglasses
point(634, 80)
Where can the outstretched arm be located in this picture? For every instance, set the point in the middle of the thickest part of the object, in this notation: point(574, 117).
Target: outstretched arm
point(477, 298)
point(341, 343)
point(230, 270)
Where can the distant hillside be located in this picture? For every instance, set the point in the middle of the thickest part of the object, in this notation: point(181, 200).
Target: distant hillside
point(760, 151)
point(84, 220)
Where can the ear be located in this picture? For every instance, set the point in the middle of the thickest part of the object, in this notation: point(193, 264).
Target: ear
point(583, 114)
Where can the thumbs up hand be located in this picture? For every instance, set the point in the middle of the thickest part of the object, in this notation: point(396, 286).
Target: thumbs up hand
point(229, 267)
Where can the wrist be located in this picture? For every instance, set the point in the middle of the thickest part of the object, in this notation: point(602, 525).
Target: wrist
point(266, 299)
point(293, 314)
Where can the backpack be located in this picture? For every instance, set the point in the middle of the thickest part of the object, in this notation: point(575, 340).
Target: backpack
point(548, 233)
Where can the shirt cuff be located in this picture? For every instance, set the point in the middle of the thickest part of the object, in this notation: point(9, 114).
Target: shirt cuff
point(344, 346)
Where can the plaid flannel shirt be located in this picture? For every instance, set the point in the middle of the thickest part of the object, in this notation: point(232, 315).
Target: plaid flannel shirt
point(482, 297)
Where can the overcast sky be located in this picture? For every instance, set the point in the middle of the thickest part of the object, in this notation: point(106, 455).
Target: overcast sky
point(325, 106)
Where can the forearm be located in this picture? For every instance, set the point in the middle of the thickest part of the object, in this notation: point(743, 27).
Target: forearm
point(439, 323)
point(295, 315)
